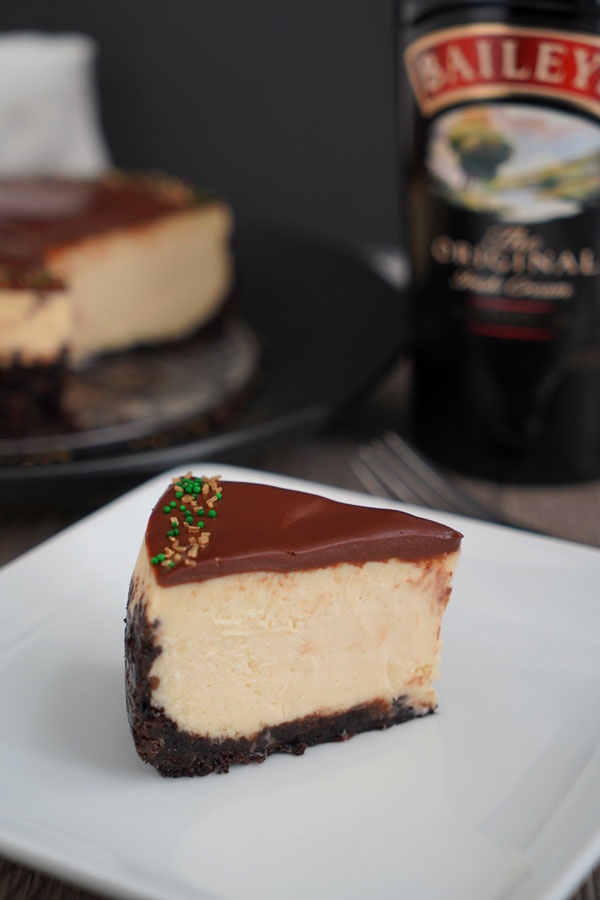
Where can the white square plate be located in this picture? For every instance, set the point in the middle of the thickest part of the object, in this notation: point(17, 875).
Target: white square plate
point(496, 796)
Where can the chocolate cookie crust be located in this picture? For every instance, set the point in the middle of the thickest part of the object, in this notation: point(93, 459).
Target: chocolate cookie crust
point(175, 753)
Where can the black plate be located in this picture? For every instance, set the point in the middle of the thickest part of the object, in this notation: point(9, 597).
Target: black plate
point(329, 325)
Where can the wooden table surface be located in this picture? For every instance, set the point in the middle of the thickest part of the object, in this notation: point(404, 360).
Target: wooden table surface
point(572, 512)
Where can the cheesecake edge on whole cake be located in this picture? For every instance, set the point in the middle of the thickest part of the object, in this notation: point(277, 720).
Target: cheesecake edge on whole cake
point(265, 620)
point(94, 267)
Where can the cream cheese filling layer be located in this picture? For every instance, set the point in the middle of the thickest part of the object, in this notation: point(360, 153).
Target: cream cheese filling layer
point(145, 284)
point(34, 326)
point(154, 282)
point(245, 652)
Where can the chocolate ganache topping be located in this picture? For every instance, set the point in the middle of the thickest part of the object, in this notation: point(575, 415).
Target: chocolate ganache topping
point(39, 214)
point(203, 528)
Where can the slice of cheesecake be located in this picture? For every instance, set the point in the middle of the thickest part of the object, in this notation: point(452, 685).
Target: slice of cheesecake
point(263, 620)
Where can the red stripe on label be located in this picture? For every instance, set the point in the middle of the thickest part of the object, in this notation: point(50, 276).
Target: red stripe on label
point(510, 304)
point(510, 332)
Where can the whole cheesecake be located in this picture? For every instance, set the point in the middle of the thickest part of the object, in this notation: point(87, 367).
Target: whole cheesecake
point(264, 620)
point(94, 267)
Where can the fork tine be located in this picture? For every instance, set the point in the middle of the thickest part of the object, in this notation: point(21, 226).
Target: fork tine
point(448, 495)
point(373, 456)
point(366, 476)
point(392, 467)
point(419, 486)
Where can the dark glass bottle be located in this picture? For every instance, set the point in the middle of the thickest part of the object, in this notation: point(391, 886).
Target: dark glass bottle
point(500, 147)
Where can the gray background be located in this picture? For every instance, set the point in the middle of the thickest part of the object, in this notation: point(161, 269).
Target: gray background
point(286, 108)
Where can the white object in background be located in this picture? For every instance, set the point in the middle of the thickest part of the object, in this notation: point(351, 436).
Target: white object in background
point(390, 263)
point(48, 111)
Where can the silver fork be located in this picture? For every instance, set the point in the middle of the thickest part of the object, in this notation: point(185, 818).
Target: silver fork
point(391, 467)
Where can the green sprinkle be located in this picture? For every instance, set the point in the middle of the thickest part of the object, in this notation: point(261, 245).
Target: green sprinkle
point(166, 509)
point(154, 561)
point(160, 557)
point(176, 532)
point(183, 507)
point(171, 563)
point(212, 513)
point(200, 523)
point(172, 504)
point(219, 496)
point(170, 533)
point(200, 511)
point(179, 494)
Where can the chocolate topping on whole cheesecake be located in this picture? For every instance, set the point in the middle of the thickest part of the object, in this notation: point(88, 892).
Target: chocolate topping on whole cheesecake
point(235, 527)
point(38, 213)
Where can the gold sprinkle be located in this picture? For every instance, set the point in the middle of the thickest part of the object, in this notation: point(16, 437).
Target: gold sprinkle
point(197, 539)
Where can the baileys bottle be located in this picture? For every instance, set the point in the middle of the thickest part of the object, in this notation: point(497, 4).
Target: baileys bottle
point(499, 138)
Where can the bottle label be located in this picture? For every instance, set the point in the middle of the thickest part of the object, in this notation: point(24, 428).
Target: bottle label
point(472, 62)
point(503, 172)
point(515, 286)
point(505, 188)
